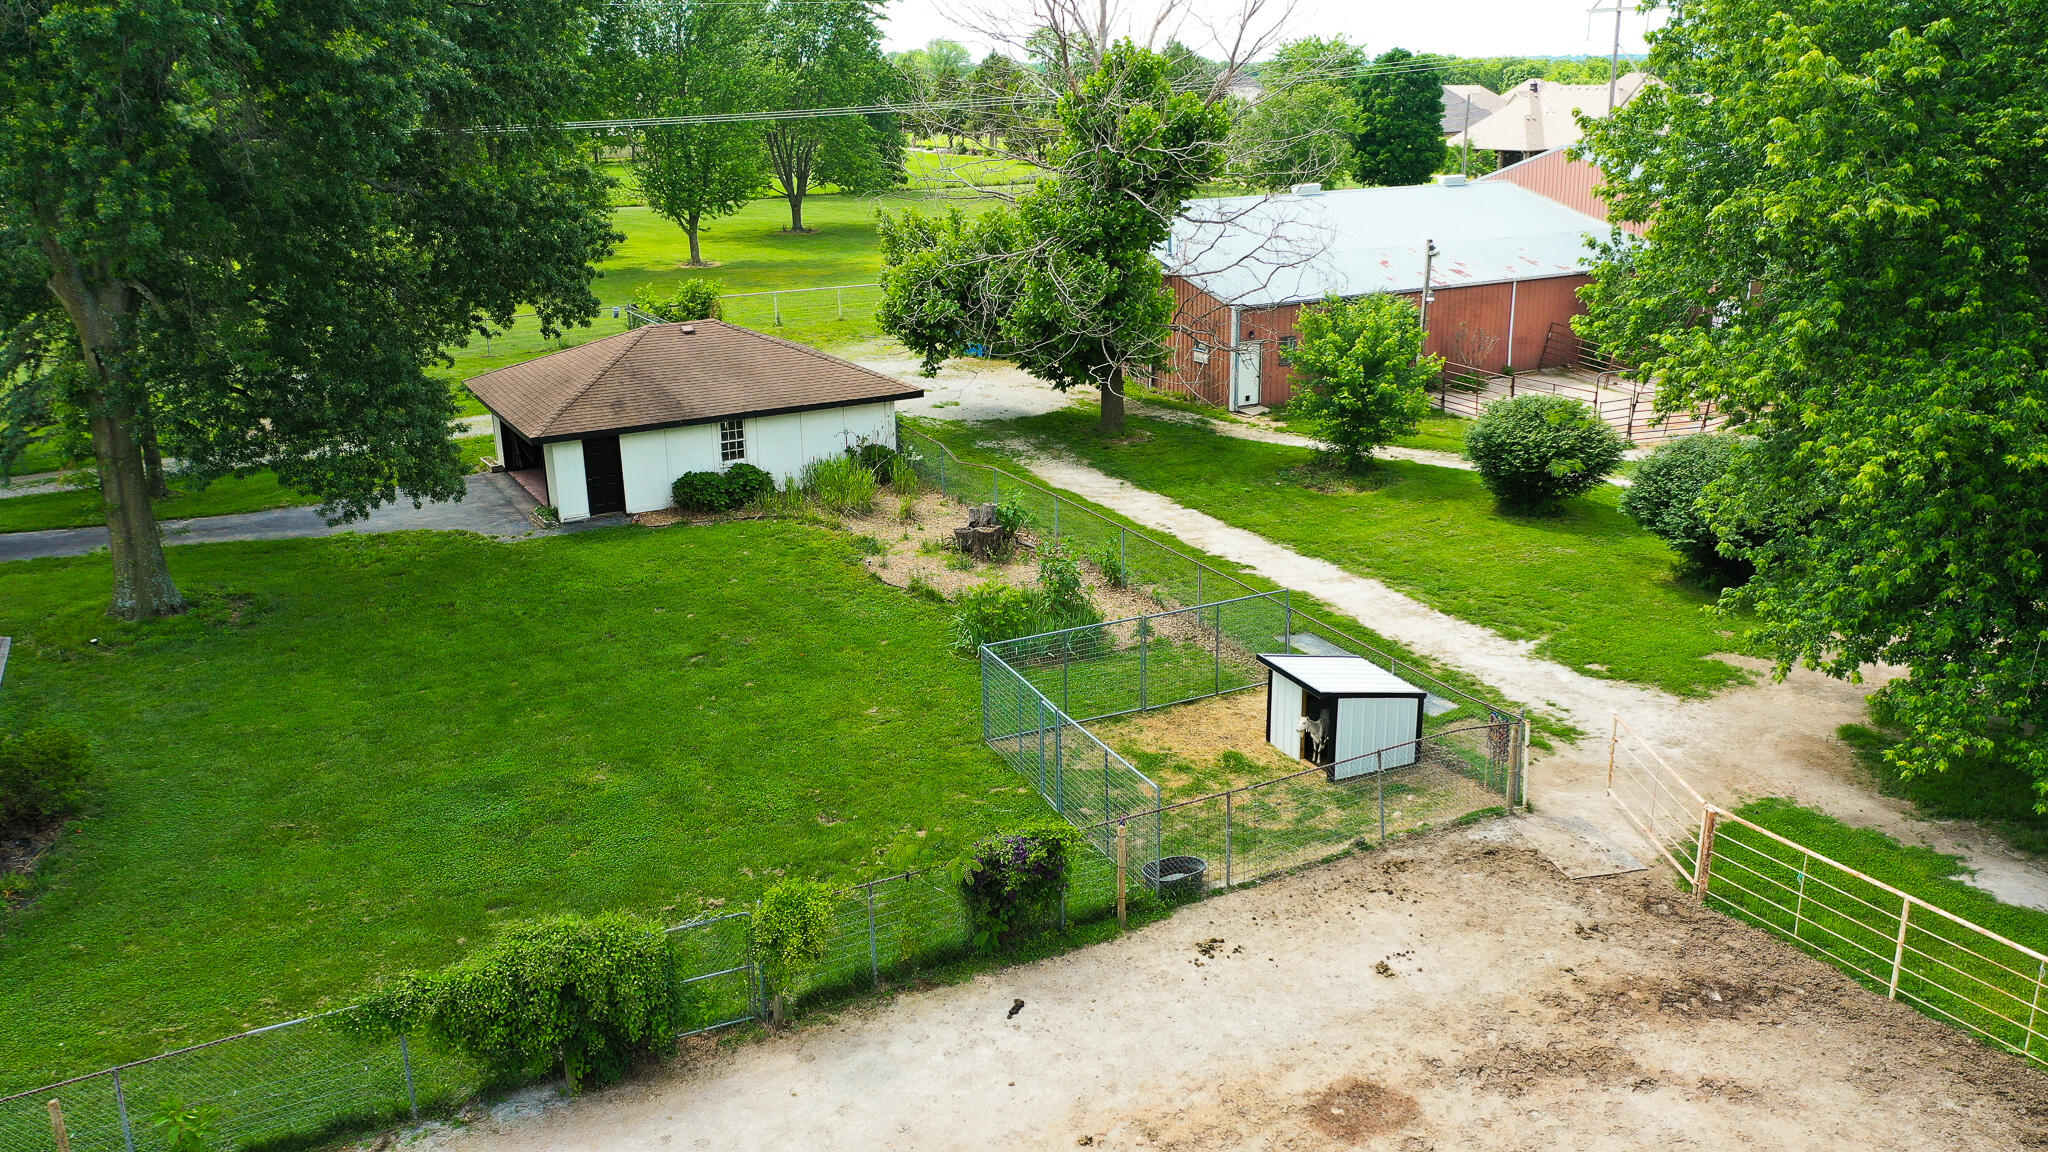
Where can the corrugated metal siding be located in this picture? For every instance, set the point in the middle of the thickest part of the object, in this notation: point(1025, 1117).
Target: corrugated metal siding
point(1369, 724)
point(1570, 182)
point(1283, 724)
point(1197, 316)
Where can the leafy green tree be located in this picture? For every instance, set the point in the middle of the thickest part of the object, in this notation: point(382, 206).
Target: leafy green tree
point(1302, 130)
point(1066, 284)
point(696, 57)
point(1846, 253)
point(261, 223)
point(828, 54)
point(937, 74)
point(1360, 373)
point(995, 85)
point(692, 299)
point(1665, 496)
point(1535, 450)
point(1401, 107)
point(1503, 73)
point(788, 935)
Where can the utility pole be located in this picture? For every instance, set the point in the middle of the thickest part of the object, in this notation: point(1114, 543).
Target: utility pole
point(1429, 255)
point(1614, 59)
point(1465, 152)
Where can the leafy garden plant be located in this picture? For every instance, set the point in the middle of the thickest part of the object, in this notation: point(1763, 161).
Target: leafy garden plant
point(1666, 498)
point(692, 299)
point(735, 487)
point(181, 1126)
point(1012, 882)
point(790, 931)
point(842, 485)
point(1533, 452)
point(1362, 372)
point(581, 996)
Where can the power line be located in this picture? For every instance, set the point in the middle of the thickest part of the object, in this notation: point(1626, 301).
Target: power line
point(973, 104)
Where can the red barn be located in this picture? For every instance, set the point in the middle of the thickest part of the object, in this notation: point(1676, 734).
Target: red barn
point(1503, 283)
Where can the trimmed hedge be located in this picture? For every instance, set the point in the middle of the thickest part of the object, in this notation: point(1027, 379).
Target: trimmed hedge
point(1534, 451)
point(720, 491)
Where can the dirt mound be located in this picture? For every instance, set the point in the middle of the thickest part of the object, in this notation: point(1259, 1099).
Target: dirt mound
point(1354, 1109)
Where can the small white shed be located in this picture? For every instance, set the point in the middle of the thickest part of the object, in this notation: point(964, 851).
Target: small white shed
point(608, 426)
point(1343, 713)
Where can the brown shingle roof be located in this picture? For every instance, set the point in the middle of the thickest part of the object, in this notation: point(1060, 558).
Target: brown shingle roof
point(663, 375)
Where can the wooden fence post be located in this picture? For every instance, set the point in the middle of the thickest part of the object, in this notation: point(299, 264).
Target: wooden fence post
point(1122, 858)
point(1613, 739)
point(1703, 863)
point(1899, 947)
point(57, 1126)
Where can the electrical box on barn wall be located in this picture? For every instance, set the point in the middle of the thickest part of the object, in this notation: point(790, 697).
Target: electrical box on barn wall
point(1343, 713)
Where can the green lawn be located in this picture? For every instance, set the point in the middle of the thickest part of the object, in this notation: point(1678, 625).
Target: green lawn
point(1592, 589)
point(363, 751)
point(924, 171)
point(80, 507)
point(754, 253)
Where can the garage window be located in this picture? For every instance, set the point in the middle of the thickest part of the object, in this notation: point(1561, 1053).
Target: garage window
point(732, 440)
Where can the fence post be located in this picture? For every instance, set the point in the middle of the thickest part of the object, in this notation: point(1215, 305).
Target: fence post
point(1380, 778)
point(64, 1138)
point(1066, 663)
point(1199, 600)
point(121, 1106)
point(1226, 838)
point(1038, 706)
point(1799, 901)
point(1105, 784)
point(1287, 624)
point(775, 301)
point(1055, 519)
point(1216, 688)
point(2033, 1009)
point(1122, 857)
point(841, 294)
point(1059, 760)
point(1613, 740)
point(1703, 860)
point(942, 470)
point(1144, 649)
point(1899, 947)
point(874, 952)
point(412, 1096)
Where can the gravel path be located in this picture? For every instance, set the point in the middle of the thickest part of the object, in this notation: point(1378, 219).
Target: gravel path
point(494, 505)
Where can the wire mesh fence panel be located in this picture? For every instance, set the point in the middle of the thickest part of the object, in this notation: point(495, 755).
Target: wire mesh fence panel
point(814, 312)
point(713, 956)
point(290, 1084)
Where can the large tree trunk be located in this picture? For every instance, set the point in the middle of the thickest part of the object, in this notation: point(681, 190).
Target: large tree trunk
point(1113, 401)
point(690, 226)
point(153, 462)
point(102, 310)
point(795, 196)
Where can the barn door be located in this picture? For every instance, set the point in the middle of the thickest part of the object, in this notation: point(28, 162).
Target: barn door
point(1245, 375)
point(603, 474)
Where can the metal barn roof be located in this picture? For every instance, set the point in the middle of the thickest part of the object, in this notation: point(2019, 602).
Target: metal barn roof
point(1340, 675)
point(664, 375)
point(1258, 251)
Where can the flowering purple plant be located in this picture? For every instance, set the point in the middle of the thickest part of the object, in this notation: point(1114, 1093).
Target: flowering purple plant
point(1014, 881)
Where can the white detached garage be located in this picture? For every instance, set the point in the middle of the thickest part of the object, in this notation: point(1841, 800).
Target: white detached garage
point(608, 426)
point(1343, 713)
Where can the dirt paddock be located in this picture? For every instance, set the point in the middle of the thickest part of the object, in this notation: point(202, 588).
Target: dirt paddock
point(1454, 992)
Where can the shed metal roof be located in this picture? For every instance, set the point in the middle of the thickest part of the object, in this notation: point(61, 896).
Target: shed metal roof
point(664, 375)
point(1340, 675)
point(1259, 251)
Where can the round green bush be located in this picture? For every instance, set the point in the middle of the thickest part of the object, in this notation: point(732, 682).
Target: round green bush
point(720, 491)
point(1533, 451)
point(1665, 497)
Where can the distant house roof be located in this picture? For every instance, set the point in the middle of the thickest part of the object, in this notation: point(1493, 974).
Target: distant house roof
point(1467, 105)
point(1261, 251)
point(665, 375)
point(1538, 115)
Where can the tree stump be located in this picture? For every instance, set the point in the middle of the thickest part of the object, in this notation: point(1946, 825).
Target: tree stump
point(978, 541)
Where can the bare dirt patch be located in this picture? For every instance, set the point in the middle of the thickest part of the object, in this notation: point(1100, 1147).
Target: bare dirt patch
point(1525, 1011)
point(1199, 734)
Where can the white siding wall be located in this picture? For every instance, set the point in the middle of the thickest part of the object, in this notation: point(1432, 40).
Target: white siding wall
point(1283, 729)
point(644, 458)
point(498, 437)
point(778, 445)
point(565, 479)
point(1368, 725)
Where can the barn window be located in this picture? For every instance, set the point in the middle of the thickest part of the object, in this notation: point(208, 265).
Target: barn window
point(1287, 343)
point(732, 440)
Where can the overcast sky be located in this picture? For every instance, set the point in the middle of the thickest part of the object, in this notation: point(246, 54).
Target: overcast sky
point(1456, 27)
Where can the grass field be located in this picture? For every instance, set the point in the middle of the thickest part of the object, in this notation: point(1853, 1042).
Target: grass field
point(1592, 589)
point(753, 252)
point(80, 507)
point(361, 752)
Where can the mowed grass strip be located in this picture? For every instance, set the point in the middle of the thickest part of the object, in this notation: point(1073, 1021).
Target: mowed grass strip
point(1944, 968)
point(1590, 588)
point(362, 753)
point(80, 507)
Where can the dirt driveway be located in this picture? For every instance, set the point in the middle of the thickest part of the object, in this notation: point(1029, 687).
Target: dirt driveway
point(1452, 993)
